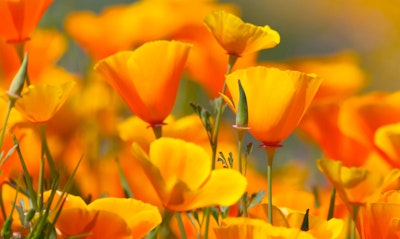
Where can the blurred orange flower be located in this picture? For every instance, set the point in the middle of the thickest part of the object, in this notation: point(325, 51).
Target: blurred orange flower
point(20, 17)
point(39, 103)
point(147, 78)
point(277, 100)
point(239, 38)
point(107, 218)
point(180, 172)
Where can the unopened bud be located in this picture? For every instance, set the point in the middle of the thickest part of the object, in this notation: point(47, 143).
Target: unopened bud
point(17, 84)
point(242, 112)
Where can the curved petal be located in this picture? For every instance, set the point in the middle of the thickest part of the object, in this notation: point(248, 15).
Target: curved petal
point(224, 187)
point(140, 217)
point(239, 38)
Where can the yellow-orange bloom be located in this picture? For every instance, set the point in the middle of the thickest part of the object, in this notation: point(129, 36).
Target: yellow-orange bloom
point(355, 186)
point(247, 228)
point(180, 172)
point(237, 37)
point(107, 218)
point(147, 78)
point(276, 99)
point(20, 17)
point(39, 103)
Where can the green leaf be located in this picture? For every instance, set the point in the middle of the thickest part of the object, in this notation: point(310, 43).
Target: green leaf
point(256, 198)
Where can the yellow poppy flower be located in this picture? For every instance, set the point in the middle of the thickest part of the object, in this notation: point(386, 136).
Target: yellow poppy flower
point(39, 103)
point(237, 37)
point(180, 172)
point(147, 78)
point(107, 218)
point(276, 99)
point(356, 186)
point(247, 228)
point(19, 18)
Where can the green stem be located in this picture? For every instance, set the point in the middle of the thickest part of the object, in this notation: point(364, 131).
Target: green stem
point(29, 184)
point(207, 215)
point(231, 63)
point(157, 129)
point(354, 228)
point(214, 144)
point(243, 200)
point(331, 210)
point(180, 224)
point(3, 130)
point(270, 156)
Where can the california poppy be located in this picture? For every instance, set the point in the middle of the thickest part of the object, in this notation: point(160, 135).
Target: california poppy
point(276, 99)
point(181, 174)
point(19, 18)
point(147, 78)
point(237, 37)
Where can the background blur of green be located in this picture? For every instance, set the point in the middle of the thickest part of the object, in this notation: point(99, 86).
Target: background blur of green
point(308, 28)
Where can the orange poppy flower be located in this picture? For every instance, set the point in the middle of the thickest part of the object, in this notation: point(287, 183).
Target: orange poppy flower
point(39, 103)
point(387, 139)
point(20, 17)
point(237, 37)
point(276, 99)
point(181, 174)
point(147, 78)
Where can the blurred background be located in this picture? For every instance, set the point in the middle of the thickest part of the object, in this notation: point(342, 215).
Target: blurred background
point(307, 28)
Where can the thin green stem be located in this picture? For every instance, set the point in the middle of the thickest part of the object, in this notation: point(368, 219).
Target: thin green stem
point(355, 215)
point(331, 210)
point(3, 130)
point(270, 156)
point(29, 184)
point(214, 146)
point(207, 215)
point(243, 200)
point(157, 129)
point(180, 224)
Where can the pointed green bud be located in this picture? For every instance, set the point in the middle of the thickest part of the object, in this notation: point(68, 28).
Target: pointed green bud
point(241, 113)
point(305, 226)
point(17, 84)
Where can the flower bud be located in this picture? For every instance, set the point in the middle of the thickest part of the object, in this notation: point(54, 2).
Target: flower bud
point(17, 84)
point(241, 113)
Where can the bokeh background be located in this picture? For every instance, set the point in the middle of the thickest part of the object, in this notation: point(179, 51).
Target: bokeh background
point(308, 28)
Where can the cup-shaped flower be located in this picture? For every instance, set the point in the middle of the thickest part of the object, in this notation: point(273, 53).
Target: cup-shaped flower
point(237, 37)
point(20, 17)
point(147, 78)
point(181, 174)
point(107, 218)
point(39, 103)
point(276, 100)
